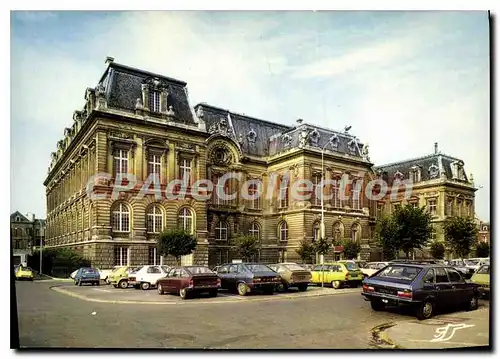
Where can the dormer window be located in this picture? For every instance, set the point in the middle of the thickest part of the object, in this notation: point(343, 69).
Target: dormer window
point(154, 101)
point(415, 174)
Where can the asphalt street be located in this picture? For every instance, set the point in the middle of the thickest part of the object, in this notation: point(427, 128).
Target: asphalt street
point(51, 319)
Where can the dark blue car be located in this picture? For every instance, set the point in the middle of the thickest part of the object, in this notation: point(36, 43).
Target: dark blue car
point(425, 287)
point(87, 275)
point(248, 277)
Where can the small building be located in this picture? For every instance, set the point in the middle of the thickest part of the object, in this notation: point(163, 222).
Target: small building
point(25, 233)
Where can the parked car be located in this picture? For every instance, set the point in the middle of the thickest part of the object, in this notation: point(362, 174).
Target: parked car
point(482, 279)
point(373, 267)
point(292, 275)
point(119, 277)
point(337, 274)
point(104, 273)
point(87, 275)
point(72, 275)
point(147, 276)
point(248, 277)
point(475, 263)
point(189, 280)
point(425, 287)
point(461, 266)
point(23, 273)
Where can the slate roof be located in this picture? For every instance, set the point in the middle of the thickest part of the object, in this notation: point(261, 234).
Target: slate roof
point(22, 217)
point(442, 162)
point(123, 87)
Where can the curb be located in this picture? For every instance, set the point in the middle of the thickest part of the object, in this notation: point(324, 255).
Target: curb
point(61, 290)
point(381, 339)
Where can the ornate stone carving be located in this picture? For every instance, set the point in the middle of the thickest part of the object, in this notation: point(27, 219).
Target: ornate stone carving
point(101, 103)
point(303, 138)
point(398, 175)
point(221, 127)
point(185, 145)
point(155, 84)
point(60, 145)
point(351, 146)
point(170, 111)
point(287, 141)
point(433, 171)
point(199, 113)
point(126, 136)
point(138, 104)
point(240, 139)
point(315, 136)
point(365, 152)
point(252, 136)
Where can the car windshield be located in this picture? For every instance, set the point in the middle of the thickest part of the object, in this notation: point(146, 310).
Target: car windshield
point(293, 266)
point(88, 270)
point(258, 268)
point(198, 270)
point(351, 265)
point(484, 270)
point(400, 272)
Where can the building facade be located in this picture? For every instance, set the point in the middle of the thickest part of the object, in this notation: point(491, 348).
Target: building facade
point(142, 124)
point(25, 234)
point(483, 231)
point(439, 183)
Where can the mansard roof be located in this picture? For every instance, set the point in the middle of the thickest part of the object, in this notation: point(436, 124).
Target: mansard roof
point(432, 166)
point(22, 217)
point(122, 85)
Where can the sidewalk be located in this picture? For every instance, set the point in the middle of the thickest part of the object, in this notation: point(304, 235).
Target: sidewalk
point(454, 330)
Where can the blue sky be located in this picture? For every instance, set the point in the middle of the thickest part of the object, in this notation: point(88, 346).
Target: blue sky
point(402, 80)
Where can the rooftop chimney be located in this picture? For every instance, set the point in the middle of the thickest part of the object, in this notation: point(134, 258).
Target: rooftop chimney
point(436, 148)
point(109, 60)
point(299, 121)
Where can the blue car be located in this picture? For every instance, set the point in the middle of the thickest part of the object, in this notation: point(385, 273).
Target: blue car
point(87, 275)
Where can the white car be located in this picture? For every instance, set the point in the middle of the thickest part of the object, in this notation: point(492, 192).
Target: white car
point(72, 275)
point(147, 276)
point(104, 273)
point(372, 267)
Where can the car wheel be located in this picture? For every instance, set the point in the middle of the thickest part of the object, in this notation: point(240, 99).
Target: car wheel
point(145, 285)
point(425, 311)
point(302, 287)
point(473, 303)
point(183, 293)
point(377, 305)
point(242, 289)
point(336, 284)
point(160, 289)
point(123, 284)
point(282, 287)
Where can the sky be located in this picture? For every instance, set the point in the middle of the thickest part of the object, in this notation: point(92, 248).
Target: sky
point(402, 80)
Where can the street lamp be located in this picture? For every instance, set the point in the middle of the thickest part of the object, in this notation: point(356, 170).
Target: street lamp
point(322, 226)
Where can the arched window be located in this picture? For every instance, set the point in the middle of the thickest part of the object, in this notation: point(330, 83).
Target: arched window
point(185, 220)
point(355, 233)
point(283, 231)
point(338, 232)
point(221, 231)
point(316, 231)
point(120, 218)
point(254, 230)
point(154, 219)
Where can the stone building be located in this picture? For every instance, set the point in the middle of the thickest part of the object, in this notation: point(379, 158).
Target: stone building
point(141, 123)
point(483, 231)
point(25, 234)
point(439, 183)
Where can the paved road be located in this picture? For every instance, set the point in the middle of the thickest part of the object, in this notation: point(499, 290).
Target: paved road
point(51, 319)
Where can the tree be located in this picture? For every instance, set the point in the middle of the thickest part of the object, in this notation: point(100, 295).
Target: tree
point(437, 250)
point(247, 247)
point(482, 250)
point(386, 231)
point(306, 251)
point(460, 233)
point(351, 249)
point(176, 243)
point(321, 246)
point(406, 229)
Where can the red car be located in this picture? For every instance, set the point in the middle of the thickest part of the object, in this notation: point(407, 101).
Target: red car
point(189, 280)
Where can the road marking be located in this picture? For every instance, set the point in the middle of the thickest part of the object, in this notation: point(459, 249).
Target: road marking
point(446, 342)
point(444, 334)
point(103, 290)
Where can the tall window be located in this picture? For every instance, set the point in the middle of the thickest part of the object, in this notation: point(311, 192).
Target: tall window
point(316, 231)
point(283, 231)
point(221, 231)
point(355, 233)
point(121, 161)
point(154, 256)
point(186, 220)
point(317, 182)
point(154, 101)
point(154, 164)
point(335, 201)
point(121, 218)
point(221, 188)
point(414, 204)
point(154, 219)
point(284, 193)
point(459, 208)
point(185, 170)
point(122, 256)
point(431, 206)
point(253, 190)
point(356, 189)
point(254, 230)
